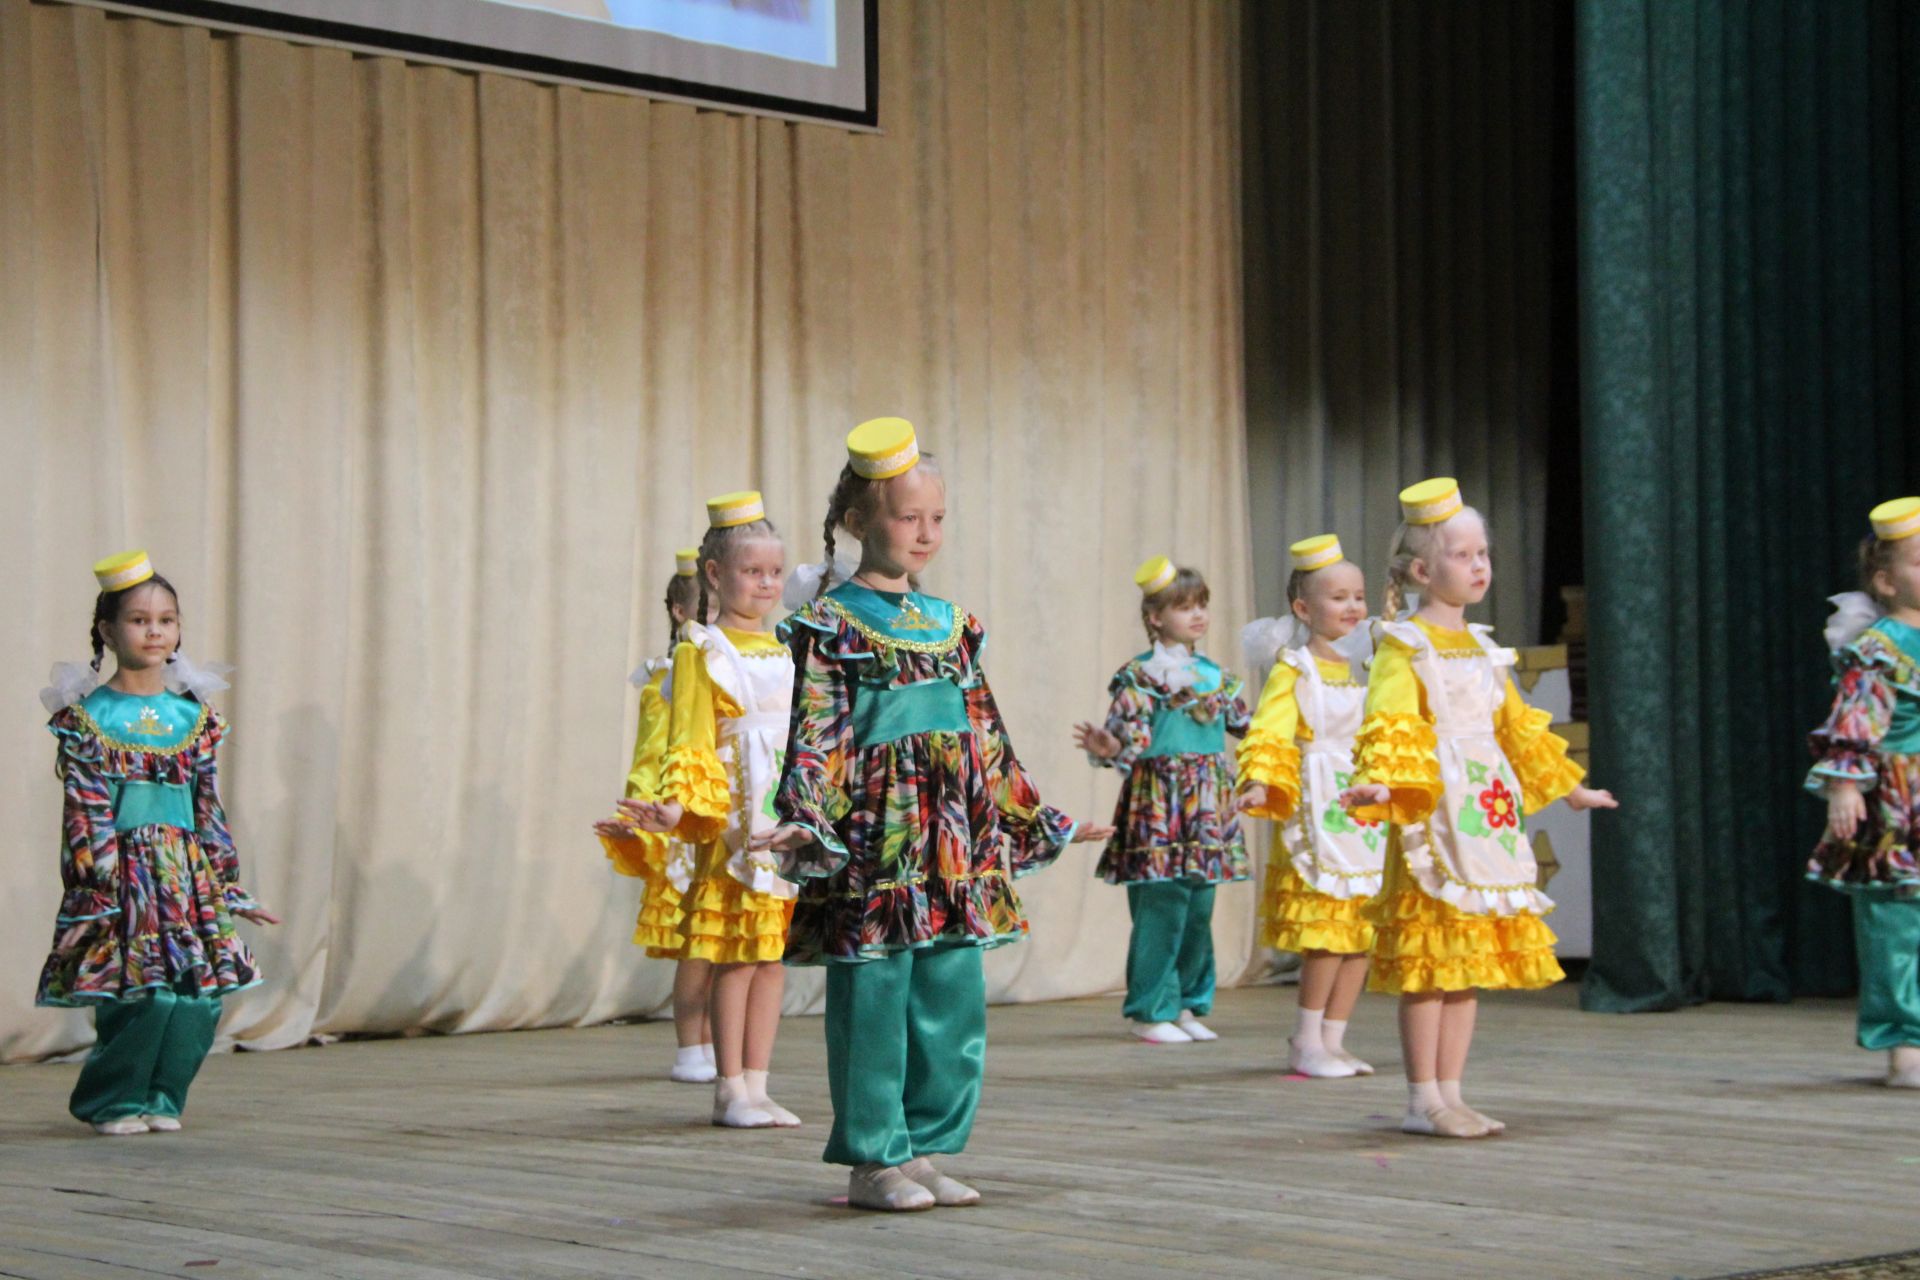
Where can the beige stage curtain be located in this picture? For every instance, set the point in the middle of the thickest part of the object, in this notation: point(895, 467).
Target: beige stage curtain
point(1399, 168)
point(413, 379)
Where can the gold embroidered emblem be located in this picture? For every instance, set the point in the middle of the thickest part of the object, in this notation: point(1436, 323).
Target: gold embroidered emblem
point(148, 725)
point(913, 618)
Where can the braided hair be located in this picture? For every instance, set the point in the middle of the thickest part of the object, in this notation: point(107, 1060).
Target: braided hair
point(855, 495)
point(720, 544)
point(682, 593)
point(1876, 558)
point(1415, 542)
point(106, 611)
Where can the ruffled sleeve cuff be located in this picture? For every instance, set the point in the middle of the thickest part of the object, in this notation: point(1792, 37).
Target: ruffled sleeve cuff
point(637, 853)
point(238, 899)
point(816, 807)
point(1539, 757)
point(1035, 840)
point(81, 905)
point(1266, 761)
point(694, 778)
point(1842, 761)
point(1401, 753)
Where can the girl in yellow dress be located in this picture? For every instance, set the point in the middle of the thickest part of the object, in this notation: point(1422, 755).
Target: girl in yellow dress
point(663, 865)
point(1450, 755)
point(726, 738)
point(1293, 763)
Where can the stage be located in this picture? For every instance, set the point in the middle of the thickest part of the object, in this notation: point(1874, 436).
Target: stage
point(1722, 1139)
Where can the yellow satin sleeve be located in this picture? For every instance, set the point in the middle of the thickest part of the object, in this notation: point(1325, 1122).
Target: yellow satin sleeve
point(649, 740)
point(1397, 747)
point(691, 772)
point(1538, 755)
point(1269, 755)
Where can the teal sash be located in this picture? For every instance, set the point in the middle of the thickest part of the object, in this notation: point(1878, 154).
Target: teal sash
point(887, 713)
point(1175, 733)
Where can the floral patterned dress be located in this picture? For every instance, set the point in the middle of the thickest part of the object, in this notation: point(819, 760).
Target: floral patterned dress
point(1872, 738)
point(1175, 819)
point(1463, 758)
point(149, 871)
point(899, 766)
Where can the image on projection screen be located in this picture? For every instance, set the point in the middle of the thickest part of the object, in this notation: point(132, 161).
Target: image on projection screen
point(807, 58)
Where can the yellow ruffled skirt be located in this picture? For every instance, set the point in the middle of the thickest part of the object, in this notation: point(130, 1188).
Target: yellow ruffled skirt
point(1421, 944)
point(1295, 917)
point(724, 921)
point(643, 856)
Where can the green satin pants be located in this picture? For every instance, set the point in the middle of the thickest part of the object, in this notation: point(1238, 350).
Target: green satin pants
point(906, 1050)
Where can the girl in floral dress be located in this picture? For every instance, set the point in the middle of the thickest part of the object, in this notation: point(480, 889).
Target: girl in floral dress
point(1293, 764)
point(1868, 771)
point(905, 817)
point(637, 846)
point(145, 934)
point(1176, 834)
point(1450, 755)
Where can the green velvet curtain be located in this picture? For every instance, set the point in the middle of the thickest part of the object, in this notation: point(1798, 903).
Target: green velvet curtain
point(1749, 186)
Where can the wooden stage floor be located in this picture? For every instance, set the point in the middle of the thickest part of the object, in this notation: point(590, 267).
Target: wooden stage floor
point(1694, 1144)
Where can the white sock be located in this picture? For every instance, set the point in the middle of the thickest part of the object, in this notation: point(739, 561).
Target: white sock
point(1424, 1097)
point(706, 1051)
point(1307, 1030)
point(1331, 1034)
point(689, 1057)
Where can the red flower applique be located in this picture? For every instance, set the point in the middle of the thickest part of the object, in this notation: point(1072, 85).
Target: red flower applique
point(1498, 803)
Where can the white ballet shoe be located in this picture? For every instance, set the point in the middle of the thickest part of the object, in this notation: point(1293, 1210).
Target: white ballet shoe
point(1903, 1067)
point(1159, 1033)
point(162, 1124)
point(1444, 1122)
point(886, 1188)
point(1195, 1029)
point(1313, 1061)
point(733, 1109)
point(691, 1065)
point(757, 1095)
point(125, 1126)
point(1360, 1068)
point(947, 1192)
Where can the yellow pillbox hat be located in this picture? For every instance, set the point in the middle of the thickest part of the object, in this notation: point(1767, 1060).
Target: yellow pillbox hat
point(686, 562)
point(731, 509)
point(1316, 553)
point(882, 448)
point(1895, 520)
point(1155, 575)
point(1431, 501)
point(128, 569)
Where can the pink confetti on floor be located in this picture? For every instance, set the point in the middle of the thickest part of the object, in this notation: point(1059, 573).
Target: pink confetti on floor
point(1381, 1162)
point(838, 1202)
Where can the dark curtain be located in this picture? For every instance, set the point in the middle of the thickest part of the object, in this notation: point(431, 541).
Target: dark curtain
point(1749, 195)
point(1403, 160)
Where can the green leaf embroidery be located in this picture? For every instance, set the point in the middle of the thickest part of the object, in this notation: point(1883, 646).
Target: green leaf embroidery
point(1336, 821)
point(1342, 780)
point(1371, 838)
point(779, 768)
point(1471, 821)
point(1476, 772)
point(1510, 841)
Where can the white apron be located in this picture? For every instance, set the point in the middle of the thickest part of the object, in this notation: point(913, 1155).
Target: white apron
point(752, 749)
point(1473, 853)
point(1333, 852)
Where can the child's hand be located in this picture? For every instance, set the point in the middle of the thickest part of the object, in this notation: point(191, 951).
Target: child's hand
point(259, 915)
point(1254, 797)
point(612, 829)
point(1093, 835)
point(1370, 793)
point(656, 818)
point(1587, 798)
point(1846, 809)
point(1095, 740)
point(780, 839)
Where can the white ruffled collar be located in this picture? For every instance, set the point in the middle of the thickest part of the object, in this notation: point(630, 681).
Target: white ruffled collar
point(1172, 666)
point(71, 682)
